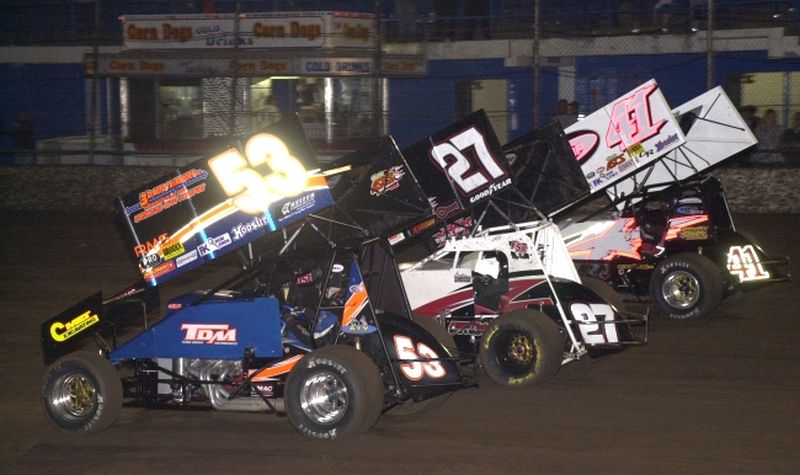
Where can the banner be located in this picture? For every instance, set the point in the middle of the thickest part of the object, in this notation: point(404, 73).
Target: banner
point(256, 30)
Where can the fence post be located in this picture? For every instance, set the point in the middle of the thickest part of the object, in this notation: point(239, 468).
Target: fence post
point(235, 78)
point(710, 45)
point(535, 62)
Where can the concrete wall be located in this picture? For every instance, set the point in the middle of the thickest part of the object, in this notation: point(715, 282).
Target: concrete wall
point(75, 188)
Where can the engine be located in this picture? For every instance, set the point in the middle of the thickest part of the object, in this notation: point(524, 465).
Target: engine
point(223, 380)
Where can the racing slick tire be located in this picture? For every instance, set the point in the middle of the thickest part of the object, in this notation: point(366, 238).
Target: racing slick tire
point(334, 392)
point(521, 348)
point(82, 393)
point(605, 291)
point(686, 286)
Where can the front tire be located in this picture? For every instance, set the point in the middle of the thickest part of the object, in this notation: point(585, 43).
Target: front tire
point(521, 348)
point(334, 392)
point(82, 393)
point(686, 286)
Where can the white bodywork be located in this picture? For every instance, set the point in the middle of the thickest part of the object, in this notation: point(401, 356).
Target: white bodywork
point(528, 247)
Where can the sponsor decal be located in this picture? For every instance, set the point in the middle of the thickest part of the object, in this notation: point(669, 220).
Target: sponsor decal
point(359, 326)
point(457, 229)
point(635, 150)
point(147, 247)
point(462, 278)
point(159, 270)
point(208, 334)
point(583, 144)
point(494, 187)
point(662, 144)
point(472, 327)
point(386, 180)
point(418, 228)
point(298, 206)
point(173, 250)
point(187, 258)
point(63, 331)
point(442, 212)
point(241, 230)
point(689, 209)
point(167, 194)
point(694, 234)
point(214, 244)
point(519, 250)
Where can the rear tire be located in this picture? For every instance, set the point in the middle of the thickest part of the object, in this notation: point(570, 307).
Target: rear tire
point(686, 286)
point(521, 348)
point(82, 393)
point(334, 392)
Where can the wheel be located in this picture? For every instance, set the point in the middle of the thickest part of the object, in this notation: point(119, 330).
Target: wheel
point(334, 392)
point(82, 393)
point(686, 286)
point(521, 348)
point(605, 291)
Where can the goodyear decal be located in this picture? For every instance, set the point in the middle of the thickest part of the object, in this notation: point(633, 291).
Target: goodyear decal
point(62, 331)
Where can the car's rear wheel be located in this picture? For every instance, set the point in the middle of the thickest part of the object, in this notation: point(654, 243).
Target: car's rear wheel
point(521, 348)
point(686, 286)
point(82, 393)
point(334, 392)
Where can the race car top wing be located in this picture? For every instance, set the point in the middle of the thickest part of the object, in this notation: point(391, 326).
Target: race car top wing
point(380, 193)
point(460, 165)
point(714, 131)
point(220, 203)
point(624, 136)
point(544, 169)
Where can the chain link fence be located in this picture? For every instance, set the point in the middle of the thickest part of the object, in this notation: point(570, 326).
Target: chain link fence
point(523, 69)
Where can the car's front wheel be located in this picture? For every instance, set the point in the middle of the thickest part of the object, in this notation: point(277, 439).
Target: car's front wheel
point(686, 286)
point(82, 393)
point(334, 392)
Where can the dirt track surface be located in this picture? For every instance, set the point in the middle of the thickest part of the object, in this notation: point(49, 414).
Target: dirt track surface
point(721, 395)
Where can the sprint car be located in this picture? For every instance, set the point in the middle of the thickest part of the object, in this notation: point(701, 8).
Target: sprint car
point(317, 326)
point(512, 295)
point(667, 231)
point(679, 246)
point(503, 288)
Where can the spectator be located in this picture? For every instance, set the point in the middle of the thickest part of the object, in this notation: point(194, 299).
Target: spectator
point(209, 7)
point(790, 141)
point(446, 24)
point(768, 133)
point(269, 114)
point(477, 13)
point(562, 114)
point(748, 113)
point(22, 138)
point(663, 15)
point(406, 13)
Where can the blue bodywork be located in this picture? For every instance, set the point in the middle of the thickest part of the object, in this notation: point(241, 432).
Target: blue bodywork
point(211, 330)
